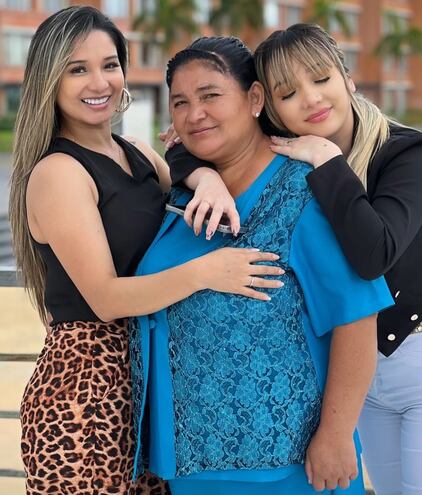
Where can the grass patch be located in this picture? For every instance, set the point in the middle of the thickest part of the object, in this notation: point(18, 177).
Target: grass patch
point(6, 140)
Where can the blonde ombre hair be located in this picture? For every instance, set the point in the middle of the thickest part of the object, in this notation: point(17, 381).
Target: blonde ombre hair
point(38, 122)
point(317, 51)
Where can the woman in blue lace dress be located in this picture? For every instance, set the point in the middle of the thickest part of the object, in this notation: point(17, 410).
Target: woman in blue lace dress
point(251, 397)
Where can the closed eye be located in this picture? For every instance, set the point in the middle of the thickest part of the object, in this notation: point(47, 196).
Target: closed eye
point(210, 96)
point(324, 80)
point(289, 95)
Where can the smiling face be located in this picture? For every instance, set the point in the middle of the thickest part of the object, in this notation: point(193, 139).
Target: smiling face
point(91, 86)
point(315, 103)
point(211, 113)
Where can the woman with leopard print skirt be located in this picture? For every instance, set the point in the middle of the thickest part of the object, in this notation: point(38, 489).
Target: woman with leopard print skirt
point(77, 190)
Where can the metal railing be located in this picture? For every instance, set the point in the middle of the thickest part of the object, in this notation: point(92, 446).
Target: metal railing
point(10, 278)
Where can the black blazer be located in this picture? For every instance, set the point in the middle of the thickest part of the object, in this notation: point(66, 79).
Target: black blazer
point(380, 230)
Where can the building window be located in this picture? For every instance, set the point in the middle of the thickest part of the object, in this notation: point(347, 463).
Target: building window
point(144, 6)
point(12, 99)
point(16, 4)
point(388, 100)
point(293, 15)
point(351, 59)
point(55, 5)
point(387, 63)
point(149, 54)
point(352, 21)
point(202, 11)
point(116, 9)
point(16, 48)
point(403, 63)
point(271, 13)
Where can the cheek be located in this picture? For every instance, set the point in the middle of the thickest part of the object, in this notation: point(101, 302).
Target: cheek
point(177, 118)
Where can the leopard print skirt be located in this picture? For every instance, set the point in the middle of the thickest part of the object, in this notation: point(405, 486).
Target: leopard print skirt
point(76, 415)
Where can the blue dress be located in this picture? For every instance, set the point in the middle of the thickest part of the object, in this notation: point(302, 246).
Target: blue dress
point(235, 385)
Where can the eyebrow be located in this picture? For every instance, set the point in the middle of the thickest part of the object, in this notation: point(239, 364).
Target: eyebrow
point(85, 61)
point(201, 89)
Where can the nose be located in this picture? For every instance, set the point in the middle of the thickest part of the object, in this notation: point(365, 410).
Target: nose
point(98, 82)
point(312, 96)
point(196, 112)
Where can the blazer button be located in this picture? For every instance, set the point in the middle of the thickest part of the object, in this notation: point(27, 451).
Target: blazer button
point(391, 337)
point(414, 317)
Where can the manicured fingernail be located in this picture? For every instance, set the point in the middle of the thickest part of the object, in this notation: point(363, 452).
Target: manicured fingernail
point(279, 284)
point(281, 271)
point(267, 298)
point(276, 257)
point(255, 250)
point(209, 235)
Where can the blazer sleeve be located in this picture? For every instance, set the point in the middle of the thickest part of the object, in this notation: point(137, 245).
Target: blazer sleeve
point(373, 232)
point(182, 163)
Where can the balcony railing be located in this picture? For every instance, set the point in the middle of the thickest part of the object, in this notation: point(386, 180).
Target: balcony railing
point(9, 278)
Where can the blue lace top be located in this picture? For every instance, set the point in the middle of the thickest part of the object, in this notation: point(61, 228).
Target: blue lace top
point(235, 385)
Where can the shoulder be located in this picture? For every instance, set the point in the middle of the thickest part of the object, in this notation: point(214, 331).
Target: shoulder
point(402, 139)
point(145, 149)
point(56, 173)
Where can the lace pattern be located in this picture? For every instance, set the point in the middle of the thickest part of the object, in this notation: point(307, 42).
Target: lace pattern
point(245, 389)
point(137, 373)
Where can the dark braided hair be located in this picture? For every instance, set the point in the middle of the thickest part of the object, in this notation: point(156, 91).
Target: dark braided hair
point(226, 54)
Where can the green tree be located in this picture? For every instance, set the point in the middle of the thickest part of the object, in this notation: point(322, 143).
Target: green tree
point(167, 21)
point(235, 15)
point(164, 22)
point(400, 39)
point(325, 12)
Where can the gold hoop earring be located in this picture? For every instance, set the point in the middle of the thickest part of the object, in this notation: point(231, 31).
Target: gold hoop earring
point(125, 101)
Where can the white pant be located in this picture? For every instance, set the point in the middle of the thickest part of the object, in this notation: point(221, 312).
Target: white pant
point(390, 425)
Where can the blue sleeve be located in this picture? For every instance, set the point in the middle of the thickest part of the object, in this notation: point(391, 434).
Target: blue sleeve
point(334, 294)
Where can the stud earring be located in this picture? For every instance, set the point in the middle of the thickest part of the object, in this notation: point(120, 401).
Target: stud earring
point(257, 114)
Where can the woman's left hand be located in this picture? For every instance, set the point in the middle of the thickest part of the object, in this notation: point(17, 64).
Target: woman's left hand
point(311, 149)
point(211, 196)
point(331, 460)
point(169, 137)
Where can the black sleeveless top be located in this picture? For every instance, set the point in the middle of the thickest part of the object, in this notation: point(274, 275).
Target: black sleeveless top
point(131, 208)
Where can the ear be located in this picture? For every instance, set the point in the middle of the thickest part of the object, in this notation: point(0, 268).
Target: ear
point(256, 98)
point(351, 84)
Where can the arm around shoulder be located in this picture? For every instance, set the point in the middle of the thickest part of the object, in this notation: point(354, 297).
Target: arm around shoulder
point(374, 228)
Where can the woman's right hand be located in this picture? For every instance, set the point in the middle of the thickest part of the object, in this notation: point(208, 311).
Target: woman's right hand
point(234, 270)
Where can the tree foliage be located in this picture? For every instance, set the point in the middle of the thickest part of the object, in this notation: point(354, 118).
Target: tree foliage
point(172, 19)
point(325, 12)
point(235, 15)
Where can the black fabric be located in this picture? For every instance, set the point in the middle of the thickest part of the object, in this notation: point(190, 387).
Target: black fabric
point(182, 163)
point(131, 208)
point(380, 230)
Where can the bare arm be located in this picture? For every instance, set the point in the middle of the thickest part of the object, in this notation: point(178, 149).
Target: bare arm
point(331, 457)
point(62, 211)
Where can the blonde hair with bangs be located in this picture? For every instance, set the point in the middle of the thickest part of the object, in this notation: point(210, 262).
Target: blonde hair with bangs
point(316, 50)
